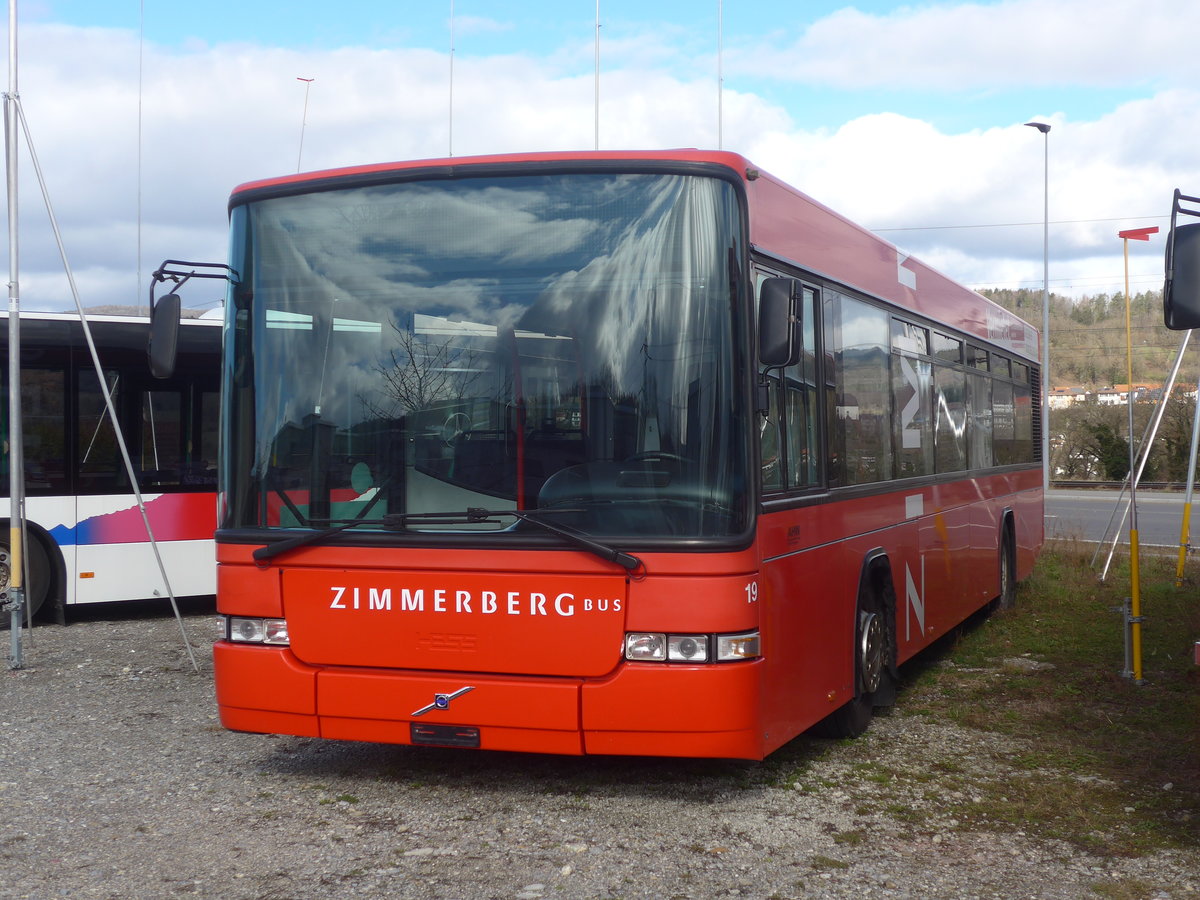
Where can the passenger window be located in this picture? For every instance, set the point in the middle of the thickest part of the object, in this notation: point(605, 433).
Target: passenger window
point(770, 444)
point(860, 438)
point(801, 387)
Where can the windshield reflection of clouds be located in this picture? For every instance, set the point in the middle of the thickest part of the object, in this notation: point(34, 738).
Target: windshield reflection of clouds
point(619, 282)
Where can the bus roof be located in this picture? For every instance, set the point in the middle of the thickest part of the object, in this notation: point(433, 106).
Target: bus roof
point(785, 223)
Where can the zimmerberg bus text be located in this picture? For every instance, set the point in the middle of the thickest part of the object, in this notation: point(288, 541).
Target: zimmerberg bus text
point(512, 603)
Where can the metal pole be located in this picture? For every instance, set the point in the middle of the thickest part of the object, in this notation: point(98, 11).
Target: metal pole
point(1148, 438)
point(720, 74)
point(1045, 130)
point(1046, 473)
point(16, 469)
point(108, 400)
point(597, 79)
point(303, 118)
point(1135, 604)
point(450, 139)
point(1184, 543)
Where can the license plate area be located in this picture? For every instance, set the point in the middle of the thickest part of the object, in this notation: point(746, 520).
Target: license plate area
point(426, 735)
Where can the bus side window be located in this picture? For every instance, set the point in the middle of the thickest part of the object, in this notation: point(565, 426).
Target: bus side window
point(162, 430)
point(912, 396)
point(769, 443)
point(860, 439)
point(100, 467)
point(43, 398)
point(802, 403)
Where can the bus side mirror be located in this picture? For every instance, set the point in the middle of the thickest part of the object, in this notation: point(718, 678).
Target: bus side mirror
point(778, 322)
point(1181, 292)
point(164, 335)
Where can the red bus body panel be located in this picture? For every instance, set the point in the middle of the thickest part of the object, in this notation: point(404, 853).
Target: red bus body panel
point(548, 685)
point(536, 637)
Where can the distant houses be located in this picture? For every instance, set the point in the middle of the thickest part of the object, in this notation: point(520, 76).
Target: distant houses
point(1114, 395)
point(1063, 397)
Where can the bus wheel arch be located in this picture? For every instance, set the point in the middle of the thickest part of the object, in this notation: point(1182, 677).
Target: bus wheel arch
point(45, 567)
point(874, 636)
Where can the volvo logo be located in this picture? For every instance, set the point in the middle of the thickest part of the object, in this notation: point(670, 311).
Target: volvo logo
point(441, 701)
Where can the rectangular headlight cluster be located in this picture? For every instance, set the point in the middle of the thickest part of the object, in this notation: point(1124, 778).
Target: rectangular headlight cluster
point(651, 646)
point(244, 630)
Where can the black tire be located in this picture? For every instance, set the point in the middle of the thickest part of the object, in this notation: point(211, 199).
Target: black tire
point(1007, 598)
point(874, 684)
point(38, 567)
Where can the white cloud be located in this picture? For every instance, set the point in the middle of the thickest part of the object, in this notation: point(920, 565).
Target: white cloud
point(216, 116)
point(960, 46)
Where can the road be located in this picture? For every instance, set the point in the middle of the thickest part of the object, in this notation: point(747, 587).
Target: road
point(1084, 515)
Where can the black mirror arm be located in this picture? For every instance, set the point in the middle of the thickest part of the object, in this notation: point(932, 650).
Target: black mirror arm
point(762, 390)
point(170, 271)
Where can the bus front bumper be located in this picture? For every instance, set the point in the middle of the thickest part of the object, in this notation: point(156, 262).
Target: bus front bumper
point(639, 710)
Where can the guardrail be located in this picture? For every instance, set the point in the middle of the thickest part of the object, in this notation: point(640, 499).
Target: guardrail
point(1117, 485)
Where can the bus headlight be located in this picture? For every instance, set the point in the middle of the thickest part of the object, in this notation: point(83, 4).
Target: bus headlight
point(245, 630)
point(652, 646)
point(646, 646)
point(687, 648)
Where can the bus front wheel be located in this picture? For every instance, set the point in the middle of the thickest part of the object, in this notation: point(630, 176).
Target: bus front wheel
point(874, 684)
point(37, 588)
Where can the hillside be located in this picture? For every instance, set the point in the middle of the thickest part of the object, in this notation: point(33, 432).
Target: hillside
point(1087, 338)
point(1088, 349)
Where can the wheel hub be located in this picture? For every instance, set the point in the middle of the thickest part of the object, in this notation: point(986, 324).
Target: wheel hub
point(870, 651)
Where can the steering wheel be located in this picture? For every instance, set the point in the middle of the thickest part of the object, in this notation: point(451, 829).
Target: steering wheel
point(454, 427)
point(656, 455)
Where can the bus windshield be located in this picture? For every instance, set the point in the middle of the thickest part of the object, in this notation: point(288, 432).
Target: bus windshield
point(568, 344)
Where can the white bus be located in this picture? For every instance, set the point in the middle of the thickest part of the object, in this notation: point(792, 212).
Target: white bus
point(86, 539)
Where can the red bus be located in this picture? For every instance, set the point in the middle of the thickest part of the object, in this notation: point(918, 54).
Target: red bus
point(600, 453)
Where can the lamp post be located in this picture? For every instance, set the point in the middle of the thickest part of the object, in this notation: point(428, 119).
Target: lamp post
point(1045, 130)
point(304, 117)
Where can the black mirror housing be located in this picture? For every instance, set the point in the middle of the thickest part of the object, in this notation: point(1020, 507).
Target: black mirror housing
point(1181, 291)
point(778, 322)
point(164, 335)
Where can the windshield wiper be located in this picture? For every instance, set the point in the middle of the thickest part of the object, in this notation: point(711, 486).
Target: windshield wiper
point(626, 561)
point(470, 516)
point(311, 537)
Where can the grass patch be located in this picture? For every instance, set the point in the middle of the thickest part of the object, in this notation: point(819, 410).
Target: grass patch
point(1053, 741)
point(1105, 763)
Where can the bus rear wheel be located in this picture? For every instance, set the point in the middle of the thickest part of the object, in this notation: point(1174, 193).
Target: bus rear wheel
point(1007, 598)
point(37, 588)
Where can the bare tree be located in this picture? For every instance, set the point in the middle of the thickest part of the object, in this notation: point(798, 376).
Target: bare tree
point(420, 374)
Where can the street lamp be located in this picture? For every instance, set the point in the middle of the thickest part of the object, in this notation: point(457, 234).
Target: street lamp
point(1045, 130)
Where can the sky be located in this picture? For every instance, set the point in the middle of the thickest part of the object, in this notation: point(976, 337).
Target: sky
point(907, 118)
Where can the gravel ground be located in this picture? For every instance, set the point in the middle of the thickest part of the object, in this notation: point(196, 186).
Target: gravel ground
point(116, 781)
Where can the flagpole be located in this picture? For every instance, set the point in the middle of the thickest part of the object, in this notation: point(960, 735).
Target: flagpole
point(720, 74)
point(597, 79)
